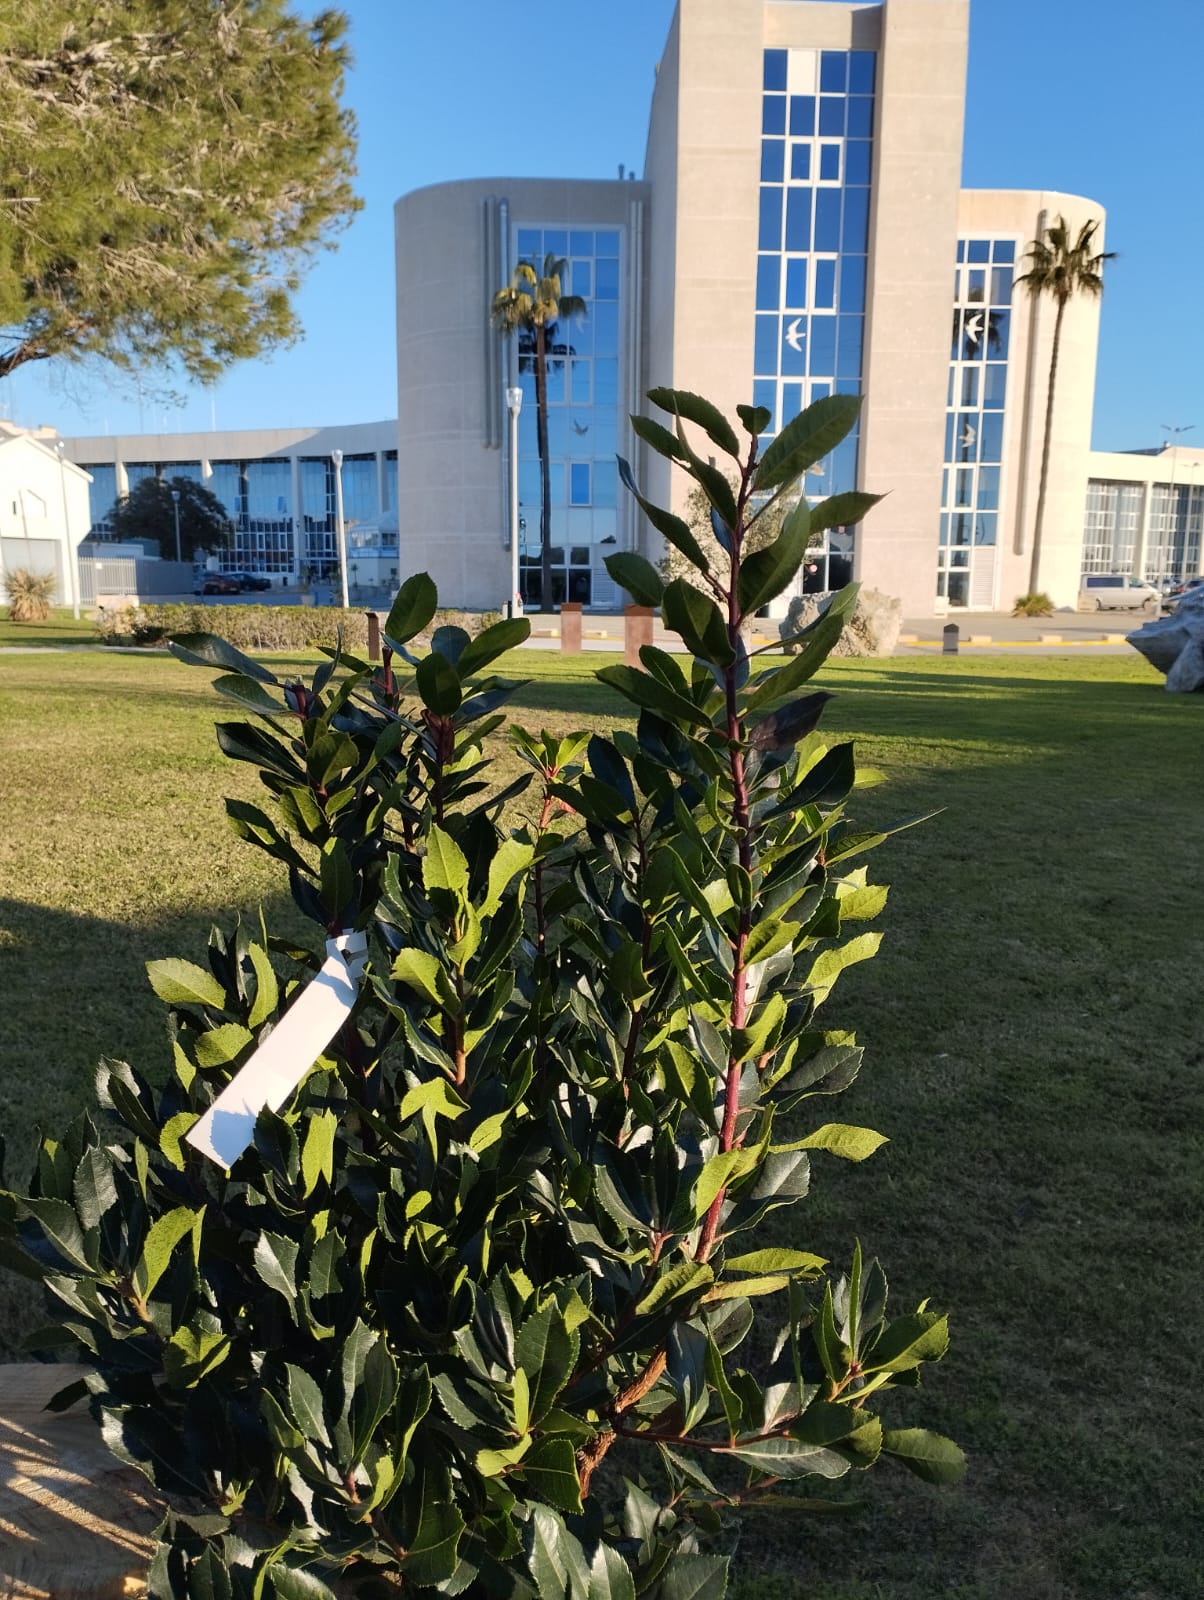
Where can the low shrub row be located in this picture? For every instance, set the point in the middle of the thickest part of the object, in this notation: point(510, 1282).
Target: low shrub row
point(258, 627)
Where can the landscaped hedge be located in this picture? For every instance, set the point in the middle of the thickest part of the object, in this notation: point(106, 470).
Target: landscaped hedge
point(259, 627)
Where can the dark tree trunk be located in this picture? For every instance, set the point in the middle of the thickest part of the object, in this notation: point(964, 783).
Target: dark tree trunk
point(1034, 572)
point(546, 602)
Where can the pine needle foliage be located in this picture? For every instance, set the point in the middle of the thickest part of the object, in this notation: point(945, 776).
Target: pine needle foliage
point(470, 1314)
point(170, 169)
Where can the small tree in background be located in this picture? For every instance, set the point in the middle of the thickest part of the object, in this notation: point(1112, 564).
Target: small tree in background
point(149, 512)
point(469, 1314)
point(1062, 266)
point(528, 308)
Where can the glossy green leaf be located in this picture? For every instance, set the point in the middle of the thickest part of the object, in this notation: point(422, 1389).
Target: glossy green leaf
point(694, 408)
point(439, 685)
point(841, 1139)
point(305, 1405)
point(183, 983)
point(317, 1150)
point(663, 440)
point(550, 1471)
point(806, 440)
point(444, 866)
point(164, 1236)
point(649, 692)
point(672, 528)
point(207, 650)
point(768, 573)
point(698, 620)
point(267, 989)
point(416, 603)
point(638, 576)
point(842, 510)
point(907, 1342)
point(421, 971)
point(929, 1455)
point(492, 642)
point(776, 1259)
point(250, 694)
point(691, 1577)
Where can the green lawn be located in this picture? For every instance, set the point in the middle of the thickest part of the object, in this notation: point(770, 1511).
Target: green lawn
point(1034, 1038)
point(61, 628)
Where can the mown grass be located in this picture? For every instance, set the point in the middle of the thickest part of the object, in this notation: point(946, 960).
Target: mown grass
point(59, 629)
point(1033, 1044)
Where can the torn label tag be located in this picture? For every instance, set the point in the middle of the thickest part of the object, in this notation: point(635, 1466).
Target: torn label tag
point(286, 1055)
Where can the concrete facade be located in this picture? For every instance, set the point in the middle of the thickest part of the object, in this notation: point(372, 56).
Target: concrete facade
point(43, 509)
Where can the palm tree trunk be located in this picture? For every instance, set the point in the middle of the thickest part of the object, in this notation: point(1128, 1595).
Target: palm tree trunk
point(1034, 575)
point(546, 602)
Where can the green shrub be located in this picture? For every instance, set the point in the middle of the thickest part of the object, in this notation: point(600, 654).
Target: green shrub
point(262, 628)
point(29, 594)
point(1033, 605)
point(466, 1315)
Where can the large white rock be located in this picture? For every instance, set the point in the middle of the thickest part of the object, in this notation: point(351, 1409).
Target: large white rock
point(1175, 644)
point(872, 630)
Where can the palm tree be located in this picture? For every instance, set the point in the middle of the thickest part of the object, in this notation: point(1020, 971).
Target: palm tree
point(1060, 266)
point(530, 306)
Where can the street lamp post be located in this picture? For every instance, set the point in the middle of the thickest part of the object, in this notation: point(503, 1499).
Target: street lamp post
point(1172, 517)
point(336, 457)
point(175, 506)
point(514, 401)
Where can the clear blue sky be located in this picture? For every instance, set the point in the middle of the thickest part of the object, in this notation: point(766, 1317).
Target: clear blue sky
point(1092, 97)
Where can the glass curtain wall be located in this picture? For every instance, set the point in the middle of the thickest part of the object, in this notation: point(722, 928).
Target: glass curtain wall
point(1176, 516)
point(978, 371)
point(817, 118)
point(1112, 526)
point(583, 414)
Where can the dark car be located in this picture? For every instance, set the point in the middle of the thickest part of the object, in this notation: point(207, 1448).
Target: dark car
point(219, 583)
point(251, 580)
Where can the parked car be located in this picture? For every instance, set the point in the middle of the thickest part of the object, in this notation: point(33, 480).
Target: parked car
point(1181, 590)
point(219, 583)
point(1113, 591)
point(251, 580)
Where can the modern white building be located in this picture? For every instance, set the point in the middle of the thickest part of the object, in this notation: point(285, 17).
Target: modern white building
point(279, 487)
point(43, 509)
point(798, 230)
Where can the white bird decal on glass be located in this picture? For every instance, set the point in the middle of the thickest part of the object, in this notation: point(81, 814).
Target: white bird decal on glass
point(793, 337)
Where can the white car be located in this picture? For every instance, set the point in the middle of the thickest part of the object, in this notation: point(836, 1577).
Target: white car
point(1113, 591)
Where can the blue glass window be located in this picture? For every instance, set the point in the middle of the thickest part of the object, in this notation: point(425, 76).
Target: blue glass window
point(991, 442)
point(825, 285)
point(581, 244)
point(842, 464)
point(861, 72)
point(820, 391)
point(775, 69)
point(765, 346)
point(855, 234)
point(773, 160)
point(800, 161)
point(606, 244)
point(768, 282)
point(827, 219)
point(556, 242)
point(802, 115)
point(798, 218)
point(969, 394)
point(102, 492)
point(769, 234)
point(997, 334)
point(606, 483)
point(861, 119)
point(829, 163)
point(530, 245)
point(984, 525)
point(848, 361)
point(604, 426)
point(1001, 286)
point(579, 483)
point(773, 113)
point(857, 161)
point(792, 401)
point(581, 277)
point(581, 384)
point(1003, 250)
point(606, 278)
point(852, 283)
point(834, 71)
point(831, 115)
point(988, 488)
point(796, 285)
point(606, 382)
point(979, 250)
point(604, 320)
point(823, 344)
point(794, 346)
point(961, 249)
point(765, 393)
point(994, 385)
point(555, 383)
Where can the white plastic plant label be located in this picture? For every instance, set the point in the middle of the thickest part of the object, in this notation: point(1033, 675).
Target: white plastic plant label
point(286, 1055)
